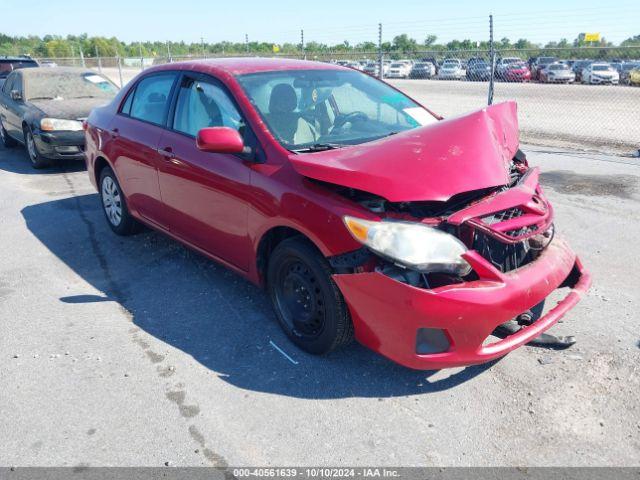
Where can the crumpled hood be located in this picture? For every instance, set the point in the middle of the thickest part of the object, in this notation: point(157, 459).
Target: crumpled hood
point(69, 109)
point(431, 163)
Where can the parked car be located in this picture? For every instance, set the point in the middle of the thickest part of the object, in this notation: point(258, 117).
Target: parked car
point(423, 70)
point(598, 73)
point(634, 76)
point(48, 63)
point(371, 68)
point(540, 65)
point(557, 73)
point(43, 108)
point(478, 70)
point(9, 64)
point(365, 222)
point(517, 72)
point(579, 66)
point(502, 65)
point(399, 70)
point(452, 69)
point(627, 67)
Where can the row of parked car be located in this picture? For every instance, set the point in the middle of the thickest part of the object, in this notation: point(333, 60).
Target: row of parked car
point(509, 69)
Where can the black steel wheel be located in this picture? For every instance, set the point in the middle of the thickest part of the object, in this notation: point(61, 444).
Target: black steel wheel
point(308, 303)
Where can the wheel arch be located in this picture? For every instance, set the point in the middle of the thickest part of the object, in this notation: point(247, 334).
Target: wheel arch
point(271, 238)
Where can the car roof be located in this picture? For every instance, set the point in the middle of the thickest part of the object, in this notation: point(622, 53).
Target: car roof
point(17, 59)
point(242, 65)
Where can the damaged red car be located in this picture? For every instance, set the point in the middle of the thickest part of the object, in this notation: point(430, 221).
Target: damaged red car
point(360, 211)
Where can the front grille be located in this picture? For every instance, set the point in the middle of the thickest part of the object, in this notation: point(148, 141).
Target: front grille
point(504, 256)
point(521, 231)
point(502, 216)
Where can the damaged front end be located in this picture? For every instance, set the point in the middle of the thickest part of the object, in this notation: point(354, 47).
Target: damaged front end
point(427, 317)
point(435, 319)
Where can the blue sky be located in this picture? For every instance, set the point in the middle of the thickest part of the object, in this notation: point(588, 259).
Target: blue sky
point(328, 21)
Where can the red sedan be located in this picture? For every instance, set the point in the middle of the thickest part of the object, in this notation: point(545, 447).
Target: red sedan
point(517, 72)
point(362, 213)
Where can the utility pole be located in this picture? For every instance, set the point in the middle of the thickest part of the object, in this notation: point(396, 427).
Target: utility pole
point(304, 54)
point(380, 54)
point(202, 45)
point(492, 56)
point(99, 61)
point(141, 57)
point(246, 42)
point(168, 52)
point(82, 59)
point(73, 56)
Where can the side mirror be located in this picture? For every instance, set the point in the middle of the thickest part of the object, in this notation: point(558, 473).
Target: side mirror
point(220, 140)
point(16, 95)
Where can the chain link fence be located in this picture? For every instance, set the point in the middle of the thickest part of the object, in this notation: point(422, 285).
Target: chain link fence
point(572, 107)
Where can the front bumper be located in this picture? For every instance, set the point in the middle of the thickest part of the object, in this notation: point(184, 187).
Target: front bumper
point(597, 80)
point(60, 145)
point(387, 314)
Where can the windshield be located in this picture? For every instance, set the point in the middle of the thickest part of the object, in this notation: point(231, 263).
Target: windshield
point(68, 84)
point(6, 67)
point(303, 108)
point(450, 63)
point(600, 68)
point(397, 65)
point(558, 67)
point(512, 60)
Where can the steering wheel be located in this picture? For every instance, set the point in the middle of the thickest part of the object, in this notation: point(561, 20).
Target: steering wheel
point(343, 119)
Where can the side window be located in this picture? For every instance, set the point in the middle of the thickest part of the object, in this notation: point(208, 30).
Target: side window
point(18, 84)
point(8, 84)
point(203, 104)
point(151, 98)
point(126, 106)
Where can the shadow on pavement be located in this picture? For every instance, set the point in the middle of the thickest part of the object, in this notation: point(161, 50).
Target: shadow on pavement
point(16, 160)
point(222, 321)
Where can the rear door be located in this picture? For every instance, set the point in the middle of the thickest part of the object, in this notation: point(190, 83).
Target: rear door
point(135, 133)
point(205, 194)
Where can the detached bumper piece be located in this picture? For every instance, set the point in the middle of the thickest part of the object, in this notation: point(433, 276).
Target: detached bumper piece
point(448, 326)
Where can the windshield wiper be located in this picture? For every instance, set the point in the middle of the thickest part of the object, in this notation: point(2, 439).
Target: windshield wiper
point(86, 96)
point(319, 147)
point(42, 98)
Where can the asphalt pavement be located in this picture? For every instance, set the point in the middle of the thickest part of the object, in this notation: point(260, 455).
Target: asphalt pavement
point(136, 351)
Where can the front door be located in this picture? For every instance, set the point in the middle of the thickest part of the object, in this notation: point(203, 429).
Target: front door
point(205, 194)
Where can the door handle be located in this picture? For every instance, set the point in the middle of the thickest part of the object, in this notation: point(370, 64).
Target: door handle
point(167, 153)
point(115, 133)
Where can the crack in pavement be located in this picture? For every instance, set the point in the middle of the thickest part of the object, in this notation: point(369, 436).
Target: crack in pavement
point(118, 294)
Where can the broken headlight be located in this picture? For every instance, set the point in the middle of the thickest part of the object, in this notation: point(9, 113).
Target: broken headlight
point(412, 245)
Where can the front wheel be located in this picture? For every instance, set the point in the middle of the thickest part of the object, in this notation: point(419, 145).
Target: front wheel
point(114, 205)
point(307, 302)
point(37, 160)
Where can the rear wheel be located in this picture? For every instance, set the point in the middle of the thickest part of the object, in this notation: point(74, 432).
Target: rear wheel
point(37, 160)
point(7, 141)
point(308, 303)
point(114, 205)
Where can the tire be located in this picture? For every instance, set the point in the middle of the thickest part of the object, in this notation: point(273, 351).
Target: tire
point(114, 205)
point(37, 160)
point(298, 273)
point(7, 141)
